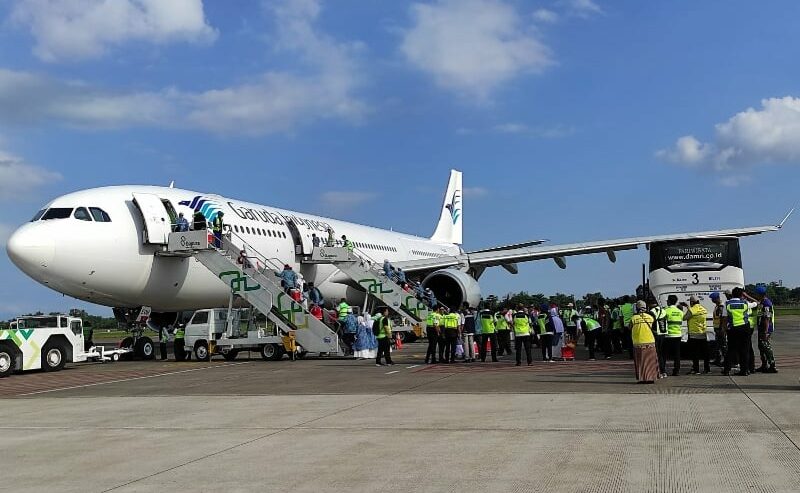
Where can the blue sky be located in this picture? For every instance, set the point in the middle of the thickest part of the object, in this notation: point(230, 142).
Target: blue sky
point(571, 119)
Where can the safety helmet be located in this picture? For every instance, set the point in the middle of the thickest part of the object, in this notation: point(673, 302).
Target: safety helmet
point(761, 289)
point(714, 295)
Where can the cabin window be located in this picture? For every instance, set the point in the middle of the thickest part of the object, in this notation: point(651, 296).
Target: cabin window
point(82, 214)
point(38, 215)
point(57, 213)
point(100, 215)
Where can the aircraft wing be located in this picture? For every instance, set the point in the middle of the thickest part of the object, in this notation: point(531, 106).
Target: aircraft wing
point(507, 257)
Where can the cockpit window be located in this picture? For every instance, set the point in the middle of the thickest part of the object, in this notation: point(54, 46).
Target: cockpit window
point(57, 213)
point(82, 214)
point(100, 215)
point(38, 215)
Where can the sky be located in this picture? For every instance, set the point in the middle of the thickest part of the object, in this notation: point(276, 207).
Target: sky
point(572, 120)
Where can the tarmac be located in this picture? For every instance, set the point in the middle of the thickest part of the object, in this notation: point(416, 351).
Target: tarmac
point(342, 425)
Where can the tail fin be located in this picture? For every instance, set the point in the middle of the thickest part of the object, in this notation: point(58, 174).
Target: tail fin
point(449, 229)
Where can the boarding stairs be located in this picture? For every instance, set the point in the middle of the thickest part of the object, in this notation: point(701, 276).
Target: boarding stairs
point(369, 275)
point(251, 277)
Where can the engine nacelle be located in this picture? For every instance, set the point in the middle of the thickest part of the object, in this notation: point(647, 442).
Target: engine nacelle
point(453, 287)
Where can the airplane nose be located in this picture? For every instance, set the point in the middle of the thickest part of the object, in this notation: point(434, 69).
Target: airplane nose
point(31, 249)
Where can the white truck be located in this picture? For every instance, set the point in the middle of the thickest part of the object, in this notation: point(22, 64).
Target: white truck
point(47, 343)
point(219, 331)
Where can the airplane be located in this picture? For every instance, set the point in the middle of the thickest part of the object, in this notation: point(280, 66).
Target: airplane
point(107, 246)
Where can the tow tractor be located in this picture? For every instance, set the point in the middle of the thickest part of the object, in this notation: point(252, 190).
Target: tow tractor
point(48, 343)
point(227, 332)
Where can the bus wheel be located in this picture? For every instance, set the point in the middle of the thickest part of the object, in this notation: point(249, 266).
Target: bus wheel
point(53, 358)
point(201, 351)
point(231, 355)
point(6, 362)
point(144, 348)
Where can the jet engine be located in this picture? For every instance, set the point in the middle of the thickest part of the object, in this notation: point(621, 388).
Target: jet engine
point(453, 287)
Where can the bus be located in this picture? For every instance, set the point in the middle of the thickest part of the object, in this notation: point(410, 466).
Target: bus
point(695, 267)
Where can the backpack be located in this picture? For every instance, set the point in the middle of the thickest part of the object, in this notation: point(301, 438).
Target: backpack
point(377, 326)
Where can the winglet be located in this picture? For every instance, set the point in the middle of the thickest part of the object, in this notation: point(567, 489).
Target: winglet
point(785, 218)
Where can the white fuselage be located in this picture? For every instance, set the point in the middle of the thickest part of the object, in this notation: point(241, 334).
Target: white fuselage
point(108, 263)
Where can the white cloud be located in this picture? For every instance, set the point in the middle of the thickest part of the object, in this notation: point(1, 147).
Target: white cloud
point(19, 179)
point(552, 132)
point(546, 16)
point(475, 192)
point(346, 200)
point(752, 137)
point(276, 101)
point(85, 29)
point(472, 46)
point(583, 8)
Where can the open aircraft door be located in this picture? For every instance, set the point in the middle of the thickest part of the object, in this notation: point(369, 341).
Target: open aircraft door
point(302, 245)
point(157, 222)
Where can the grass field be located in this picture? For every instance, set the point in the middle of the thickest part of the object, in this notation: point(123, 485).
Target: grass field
point(787, 311)
point(118, 335)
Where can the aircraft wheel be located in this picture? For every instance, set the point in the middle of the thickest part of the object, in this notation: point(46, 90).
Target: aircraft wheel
point(53, 358)
point(201, 351)
point(144, 348)
point(126, 343)
point(6, 362)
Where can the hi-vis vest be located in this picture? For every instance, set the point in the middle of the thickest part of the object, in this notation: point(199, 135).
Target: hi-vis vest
point(674, 317)
point(500, 321)
point(591, 324)
point(761, 316)
point(660, 316)
point(738, 311)
point(343, 308)
point(616, 316)
point(487, 322)
point(216, 226)
point(541, 321)
point(180, 333)
point(718, 316)
point(626, 312)
point(641, 328)
point(434, 319)
point(522, 325)
point(451, 321)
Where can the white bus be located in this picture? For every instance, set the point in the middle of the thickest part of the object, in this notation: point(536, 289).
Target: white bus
point(695, 267)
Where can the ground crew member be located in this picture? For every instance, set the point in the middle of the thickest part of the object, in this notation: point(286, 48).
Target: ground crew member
point(766, 326)
point(672, 341)
point(450, 322)
point(331, 241)
point(567, 316)
point(216, 227)
point(522, 335)
point(163, 339)
point(616, 329)
point(432, 329)
point(698, 341)
point(503, 333)
point(341, 311)
point(443, 350)
point(179, 343)
point(591, 329)
point(487, 322)
point(720, 334)
point(181, 225)
point(737, 313)
point(315, 240)
point(626, 310)
point(545, 329)
point(349, 245)
point(660, 334)
point(384, 337)
point(468, 333)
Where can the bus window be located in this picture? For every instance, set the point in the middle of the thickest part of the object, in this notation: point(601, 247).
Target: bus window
point(695, 254)
point(77, 329)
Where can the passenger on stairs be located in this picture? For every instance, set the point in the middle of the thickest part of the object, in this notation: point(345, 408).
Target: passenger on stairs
point(315, 240)
point(288, 277)
point(350, 331)
point(331, 241)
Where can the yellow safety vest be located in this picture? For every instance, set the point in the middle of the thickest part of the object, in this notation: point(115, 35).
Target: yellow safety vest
point(641, 329)
point(451, 321)
point(697, 322)
point(522, 325)
point(674, 320)
point(487, 322)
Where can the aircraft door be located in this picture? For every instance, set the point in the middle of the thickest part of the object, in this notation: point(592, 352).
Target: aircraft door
point(157, 222)
point(300, 247)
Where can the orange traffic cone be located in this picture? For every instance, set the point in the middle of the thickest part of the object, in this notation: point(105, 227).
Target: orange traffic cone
point(398, 342)
point(476, 349)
